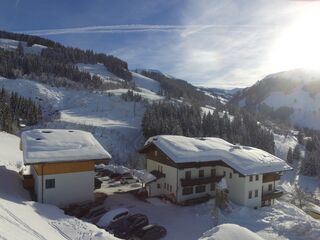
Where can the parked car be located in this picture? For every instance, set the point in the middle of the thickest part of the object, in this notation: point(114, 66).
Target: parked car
point(112, 216)
point(130, 225)
point(151, 232)
point(128, 179)
point(97, 183)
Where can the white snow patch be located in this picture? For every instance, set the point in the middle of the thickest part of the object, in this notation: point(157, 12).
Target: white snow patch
point(230, 232)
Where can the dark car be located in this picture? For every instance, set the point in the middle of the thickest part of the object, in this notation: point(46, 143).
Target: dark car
point(151, 232)
point(130, 226)
point(97, 183)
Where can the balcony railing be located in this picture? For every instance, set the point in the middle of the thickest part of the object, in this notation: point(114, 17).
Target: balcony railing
point(271, 195)
point(270, 177)
point(199, 181)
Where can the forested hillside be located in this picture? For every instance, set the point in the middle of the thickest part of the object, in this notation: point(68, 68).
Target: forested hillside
point(16, 111)
point(181, 119)
point(180, 89)
point(57, 61)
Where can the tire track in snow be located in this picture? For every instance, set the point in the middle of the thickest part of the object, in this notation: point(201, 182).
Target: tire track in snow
point(23, 224)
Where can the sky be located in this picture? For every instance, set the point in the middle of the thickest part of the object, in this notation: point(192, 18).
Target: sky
point(212, 43)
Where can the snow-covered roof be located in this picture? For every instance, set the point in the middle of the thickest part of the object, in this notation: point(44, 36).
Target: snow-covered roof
point(60, 145)
point(246, 160)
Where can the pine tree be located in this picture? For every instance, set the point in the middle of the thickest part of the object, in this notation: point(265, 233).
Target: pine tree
point(296, 152)
point(290, 155)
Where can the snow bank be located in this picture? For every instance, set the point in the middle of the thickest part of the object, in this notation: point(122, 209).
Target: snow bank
point(58, 145)
point(246, 160)
point(230, 232)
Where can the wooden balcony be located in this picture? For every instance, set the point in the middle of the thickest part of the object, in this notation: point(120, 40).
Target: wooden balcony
point(199, 181)
point(271, 195)
point(270, 177)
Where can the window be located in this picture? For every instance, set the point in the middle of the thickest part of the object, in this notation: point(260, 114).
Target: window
point(165, 186)
point(161, 169)
point(213, 172)
point(224, 173)
point(188, 174)
point(50, 183)
point(257, 177)
point(250, 194)
point(250, 178)
point(158, 185)
point(270, 187)
point(230, 175)
point(187, 190)
point(155, 153)
point(212, 186)
point(200, 189)
point(201, 173)
point(256, 192)
point(170, 188)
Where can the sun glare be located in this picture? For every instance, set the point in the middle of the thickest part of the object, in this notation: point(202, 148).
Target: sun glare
point(298, 46)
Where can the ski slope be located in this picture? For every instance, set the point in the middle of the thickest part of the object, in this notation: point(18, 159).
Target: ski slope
point(145, 82)
point(114, 122)
point(99, 70)
point(22, 219)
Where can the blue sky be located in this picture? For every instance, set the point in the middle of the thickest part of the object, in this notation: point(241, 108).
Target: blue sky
point(230, 43)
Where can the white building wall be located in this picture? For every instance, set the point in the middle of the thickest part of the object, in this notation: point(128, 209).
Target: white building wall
point(69, 188)
point(169, 180)
point(194, 174)
point(236, 185)
point(252, 186)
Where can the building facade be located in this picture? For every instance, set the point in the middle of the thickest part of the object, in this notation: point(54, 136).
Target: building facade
point(185, 181)
point(61, 164)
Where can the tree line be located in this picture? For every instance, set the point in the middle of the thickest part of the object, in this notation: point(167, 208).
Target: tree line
point(180, 89)
point(58, 60)
point(16, 110)
point(188, 120)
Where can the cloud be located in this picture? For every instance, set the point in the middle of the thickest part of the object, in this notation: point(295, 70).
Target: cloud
point(185, 30)
point(216, 43)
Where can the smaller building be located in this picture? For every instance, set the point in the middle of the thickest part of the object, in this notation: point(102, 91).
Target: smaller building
point(188, 169)
point(62, 164)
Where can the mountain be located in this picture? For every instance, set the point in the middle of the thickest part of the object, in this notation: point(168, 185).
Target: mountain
point(292, 96)
point(224, 93)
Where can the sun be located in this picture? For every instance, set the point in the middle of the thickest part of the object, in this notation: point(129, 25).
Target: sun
point(298, 46)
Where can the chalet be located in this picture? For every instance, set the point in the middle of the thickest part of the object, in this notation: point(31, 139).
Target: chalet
point(188, 169)
point(61, 164)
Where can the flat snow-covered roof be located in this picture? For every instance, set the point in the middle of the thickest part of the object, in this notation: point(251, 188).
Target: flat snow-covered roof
point(246, 160)
point(60, 145)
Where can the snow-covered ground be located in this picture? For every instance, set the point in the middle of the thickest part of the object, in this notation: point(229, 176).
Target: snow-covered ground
point(230, 232)
point(100, 70)
point(306, 107)
point(9, 44)
point(145, 82)
point(23, 219)
point(114, 122)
